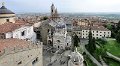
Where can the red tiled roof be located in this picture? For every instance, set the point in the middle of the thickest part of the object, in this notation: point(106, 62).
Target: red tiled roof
point(8, 27)
point(100, 28)
point(11, 43)
point(20, 22)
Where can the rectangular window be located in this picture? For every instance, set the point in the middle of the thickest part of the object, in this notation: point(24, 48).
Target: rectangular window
point(104, 35)
point(97, 31)
point(104, 32)
point(97, 37)
point(96, 34)
point(23, 33)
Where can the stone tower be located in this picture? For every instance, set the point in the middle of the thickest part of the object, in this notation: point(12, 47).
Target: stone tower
point(54, 12)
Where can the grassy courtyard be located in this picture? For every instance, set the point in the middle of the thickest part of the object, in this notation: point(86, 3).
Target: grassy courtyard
point(113, 47)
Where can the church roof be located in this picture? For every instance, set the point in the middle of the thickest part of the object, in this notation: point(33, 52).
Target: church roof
point(4, 10)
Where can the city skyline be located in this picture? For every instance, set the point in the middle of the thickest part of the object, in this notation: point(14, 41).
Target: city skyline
point(70, 6)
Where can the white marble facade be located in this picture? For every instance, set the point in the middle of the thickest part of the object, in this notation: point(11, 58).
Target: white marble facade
point(61, 39)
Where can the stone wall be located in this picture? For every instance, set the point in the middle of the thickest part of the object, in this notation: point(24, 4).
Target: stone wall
point(25, 56)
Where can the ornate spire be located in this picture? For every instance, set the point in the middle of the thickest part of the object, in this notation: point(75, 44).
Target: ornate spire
point(3, 3)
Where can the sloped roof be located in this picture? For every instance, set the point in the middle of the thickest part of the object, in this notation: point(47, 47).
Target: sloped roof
point(9, 27)
point(100, 28)
point(4, 10)
point(11, 43)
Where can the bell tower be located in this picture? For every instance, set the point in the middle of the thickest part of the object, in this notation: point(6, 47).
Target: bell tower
point(54, 13)
point(52, 10)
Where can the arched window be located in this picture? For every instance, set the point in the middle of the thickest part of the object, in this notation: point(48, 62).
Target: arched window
point(58, 47)
point(58, 41)
point(67, 44)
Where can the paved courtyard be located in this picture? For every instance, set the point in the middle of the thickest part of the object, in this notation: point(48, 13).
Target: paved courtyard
point(50, 59)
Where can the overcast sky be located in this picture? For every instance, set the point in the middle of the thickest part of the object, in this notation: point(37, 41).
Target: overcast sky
point(63, 5)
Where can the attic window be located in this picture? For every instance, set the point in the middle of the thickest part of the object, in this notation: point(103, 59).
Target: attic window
point(7, 20)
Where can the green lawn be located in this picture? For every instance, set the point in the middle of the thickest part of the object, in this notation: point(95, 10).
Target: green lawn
point(112, 62)
point(88, 61)
point(113, 47)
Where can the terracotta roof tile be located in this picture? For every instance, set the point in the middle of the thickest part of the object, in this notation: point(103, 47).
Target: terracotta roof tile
point(8, 27)
point(100, 28)
point(11, 43)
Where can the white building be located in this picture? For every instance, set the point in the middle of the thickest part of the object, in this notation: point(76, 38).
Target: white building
point(97, 31)
point(15, 30)
point(10, 28)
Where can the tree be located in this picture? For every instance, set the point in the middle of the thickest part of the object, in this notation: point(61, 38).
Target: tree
point(118, 36)
point(118, 26)
point(118, 32)
point(45, 18)
point(91, 44)
point(75, 41)
point(90, 38)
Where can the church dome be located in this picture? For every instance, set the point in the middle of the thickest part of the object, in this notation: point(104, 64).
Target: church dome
point(4, 10)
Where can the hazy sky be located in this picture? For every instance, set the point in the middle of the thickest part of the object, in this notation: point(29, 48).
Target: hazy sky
point(63, 5)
